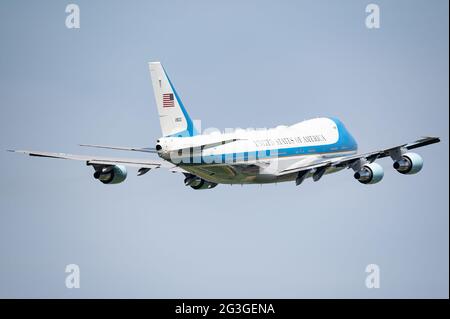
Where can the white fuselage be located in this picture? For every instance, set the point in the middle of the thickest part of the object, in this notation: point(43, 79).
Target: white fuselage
point(310, 148)
point(259, 155)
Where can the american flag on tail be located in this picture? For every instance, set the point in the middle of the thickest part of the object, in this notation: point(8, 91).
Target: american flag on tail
point(168, 100)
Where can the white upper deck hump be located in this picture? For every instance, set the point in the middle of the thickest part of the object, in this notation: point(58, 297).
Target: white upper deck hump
point(319, 126)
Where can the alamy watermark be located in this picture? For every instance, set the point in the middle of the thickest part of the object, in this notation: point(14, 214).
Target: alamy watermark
point(373, 17)
point(73, 277)
point(373, 277)
point(73, 19)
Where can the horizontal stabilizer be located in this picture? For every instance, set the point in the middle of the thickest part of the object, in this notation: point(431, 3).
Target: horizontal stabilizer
point(120, 148)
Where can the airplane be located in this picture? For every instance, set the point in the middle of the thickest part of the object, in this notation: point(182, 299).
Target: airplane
point(308, 149)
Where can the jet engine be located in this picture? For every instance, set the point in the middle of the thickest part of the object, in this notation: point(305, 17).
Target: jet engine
point(113, 174)
point(410, 163)
point(370, 173)
point(198, 183)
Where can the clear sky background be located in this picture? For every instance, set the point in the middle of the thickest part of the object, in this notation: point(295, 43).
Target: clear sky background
point(234, 64)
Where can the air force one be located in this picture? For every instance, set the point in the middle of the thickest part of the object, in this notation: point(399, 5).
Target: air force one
point(308, 149)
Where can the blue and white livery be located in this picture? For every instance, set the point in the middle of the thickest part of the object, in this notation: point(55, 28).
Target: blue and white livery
point(308, 149)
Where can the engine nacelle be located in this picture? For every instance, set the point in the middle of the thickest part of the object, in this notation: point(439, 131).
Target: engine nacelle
point(411, 163)
point(198, 183)
point(113, 174)
point(205, 185)
point(370, 173)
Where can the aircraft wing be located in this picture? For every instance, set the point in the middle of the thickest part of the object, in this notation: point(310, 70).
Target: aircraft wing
point(153, 150)
point(100, 160)
point(354, 160)
point(121, 148)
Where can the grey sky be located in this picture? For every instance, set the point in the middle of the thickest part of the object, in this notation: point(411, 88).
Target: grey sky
point(234, 64)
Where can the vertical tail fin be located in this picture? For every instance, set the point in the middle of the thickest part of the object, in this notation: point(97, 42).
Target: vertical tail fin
point(173, 117)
